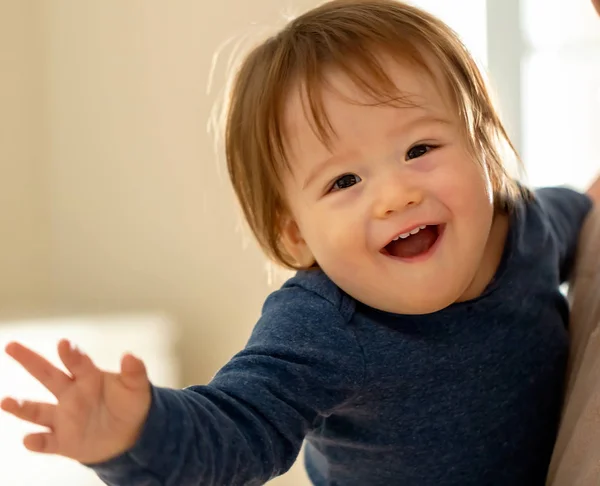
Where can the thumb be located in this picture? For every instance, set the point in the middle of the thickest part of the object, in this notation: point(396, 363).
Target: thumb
point(133, 372)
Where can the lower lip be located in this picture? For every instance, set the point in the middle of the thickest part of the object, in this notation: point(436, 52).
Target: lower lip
point(426, 254)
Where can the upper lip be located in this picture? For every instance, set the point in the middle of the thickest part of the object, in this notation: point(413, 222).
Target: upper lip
point(408, 229)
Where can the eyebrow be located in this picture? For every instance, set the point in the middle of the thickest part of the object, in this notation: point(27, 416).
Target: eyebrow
point(319, 168)
point(335, 159)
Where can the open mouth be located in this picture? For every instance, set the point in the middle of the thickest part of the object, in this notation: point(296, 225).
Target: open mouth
point(418, 242)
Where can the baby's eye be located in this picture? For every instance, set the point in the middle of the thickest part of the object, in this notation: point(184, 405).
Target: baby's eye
point(418, 151)
point(347, 180)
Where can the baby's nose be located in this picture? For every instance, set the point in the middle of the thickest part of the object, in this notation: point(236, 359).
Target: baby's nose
point(395, 195)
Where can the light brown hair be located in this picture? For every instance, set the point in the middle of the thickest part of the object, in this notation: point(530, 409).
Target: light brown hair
point(347, 35)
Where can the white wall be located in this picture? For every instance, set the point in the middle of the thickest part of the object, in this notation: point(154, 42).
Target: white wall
point(561, 92)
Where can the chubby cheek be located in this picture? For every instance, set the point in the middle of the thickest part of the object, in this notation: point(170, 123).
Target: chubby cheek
point(337, 241)
point(465, 189)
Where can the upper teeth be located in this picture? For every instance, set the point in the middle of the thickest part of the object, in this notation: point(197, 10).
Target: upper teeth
point(412, 232)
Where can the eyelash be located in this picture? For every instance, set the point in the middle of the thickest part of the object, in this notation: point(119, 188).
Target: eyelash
point(428, 147)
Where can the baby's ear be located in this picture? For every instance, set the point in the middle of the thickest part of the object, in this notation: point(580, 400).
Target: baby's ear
point(295, 244)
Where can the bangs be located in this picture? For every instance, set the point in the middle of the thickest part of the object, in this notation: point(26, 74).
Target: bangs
point(363, 66)
point(358, 53)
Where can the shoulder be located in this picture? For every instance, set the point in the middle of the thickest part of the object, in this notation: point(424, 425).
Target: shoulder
point(309, 310)
point(309, 320)
point(550, 225)
point(552, 211)
point(561, 202)
point(311, 293)
point(562, 210)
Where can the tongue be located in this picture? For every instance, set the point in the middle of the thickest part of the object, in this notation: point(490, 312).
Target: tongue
point(413, 245)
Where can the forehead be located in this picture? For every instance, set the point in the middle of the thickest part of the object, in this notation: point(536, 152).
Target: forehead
point(339, 98)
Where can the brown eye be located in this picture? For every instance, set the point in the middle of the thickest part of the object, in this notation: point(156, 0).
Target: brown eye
point(347, 180)
point(418, 151)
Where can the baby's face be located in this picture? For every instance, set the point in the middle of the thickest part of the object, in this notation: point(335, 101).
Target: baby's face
point(392, 171)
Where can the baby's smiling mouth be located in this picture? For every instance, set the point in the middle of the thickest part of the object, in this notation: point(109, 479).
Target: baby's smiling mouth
point(410, 245)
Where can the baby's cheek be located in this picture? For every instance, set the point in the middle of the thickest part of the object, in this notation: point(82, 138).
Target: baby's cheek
point(340, 235)
point(470, 183)
point(426, 164)
point(341, 245)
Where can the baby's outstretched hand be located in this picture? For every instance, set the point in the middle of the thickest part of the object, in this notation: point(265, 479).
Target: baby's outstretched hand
point(99, 415)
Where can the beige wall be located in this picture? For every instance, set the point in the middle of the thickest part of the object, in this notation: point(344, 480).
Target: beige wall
point(23, 177)
point(142, 212)
point(112, 196)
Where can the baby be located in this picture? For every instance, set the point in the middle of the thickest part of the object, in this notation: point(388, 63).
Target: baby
point(423, 340)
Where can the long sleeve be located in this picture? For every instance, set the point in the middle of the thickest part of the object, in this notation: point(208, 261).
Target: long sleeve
point(566, 210)
point(247, 426)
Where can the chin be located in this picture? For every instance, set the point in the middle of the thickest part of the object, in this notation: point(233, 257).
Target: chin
point(419, 305)
point(428, 308)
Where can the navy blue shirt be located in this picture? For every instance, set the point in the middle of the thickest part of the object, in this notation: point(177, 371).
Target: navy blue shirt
point(469, 395)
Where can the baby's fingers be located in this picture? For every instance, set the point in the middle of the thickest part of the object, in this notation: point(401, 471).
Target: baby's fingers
point(44, 442)
point(133, 373)
point(79, 364)
point(39, 414)
point(55, 380)
point(34, 412)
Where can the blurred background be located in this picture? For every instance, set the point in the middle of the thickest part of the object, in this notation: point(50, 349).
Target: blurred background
point(118, 226)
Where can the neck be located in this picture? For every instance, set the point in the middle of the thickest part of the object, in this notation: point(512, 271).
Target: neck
point(492, 257)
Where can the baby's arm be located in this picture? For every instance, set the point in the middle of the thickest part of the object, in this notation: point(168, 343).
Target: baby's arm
point(248, 424)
